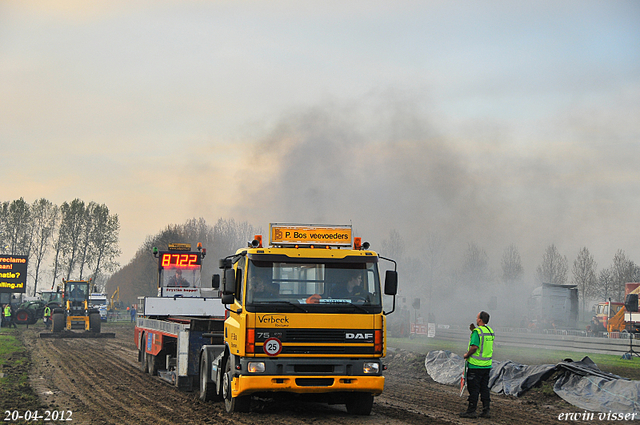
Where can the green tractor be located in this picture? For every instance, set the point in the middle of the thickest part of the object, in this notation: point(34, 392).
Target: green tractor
point(29, 312)
point(76, 312)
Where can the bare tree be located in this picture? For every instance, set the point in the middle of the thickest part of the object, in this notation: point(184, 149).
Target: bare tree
point(18, 228)
point(84, 242)
point(4, 227)
point(584, 274)
point(624, 270)
point(605, 285)
point(103, 239)
point(475, 266)
point(45, 218)
point(512, 270)
point(71, 230)
point(554, 267)
point(394, 246)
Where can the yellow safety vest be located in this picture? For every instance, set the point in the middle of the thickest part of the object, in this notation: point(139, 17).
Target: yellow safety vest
point(47, 311)
point(482, 356)
point(7, 311)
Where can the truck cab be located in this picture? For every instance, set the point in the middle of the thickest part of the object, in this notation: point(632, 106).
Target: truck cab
point(305, 318)
point(604, 312)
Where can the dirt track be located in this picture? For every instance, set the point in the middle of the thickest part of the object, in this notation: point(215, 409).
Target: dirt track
point(100, 382)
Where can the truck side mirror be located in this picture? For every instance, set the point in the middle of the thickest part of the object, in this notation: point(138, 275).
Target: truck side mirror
point(227, 299)
point(215, 281)
point(391, 282)
point(229, 282)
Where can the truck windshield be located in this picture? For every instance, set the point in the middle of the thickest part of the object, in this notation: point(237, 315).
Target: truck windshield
point(313, 287)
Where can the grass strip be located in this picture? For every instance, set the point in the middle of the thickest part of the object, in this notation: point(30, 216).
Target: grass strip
point(16, 393)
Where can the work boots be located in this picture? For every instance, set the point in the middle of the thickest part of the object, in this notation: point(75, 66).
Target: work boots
point(485, 413)
point(469, 413)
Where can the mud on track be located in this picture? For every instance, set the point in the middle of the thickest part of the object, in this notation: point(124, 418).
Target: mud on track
point(100, 382)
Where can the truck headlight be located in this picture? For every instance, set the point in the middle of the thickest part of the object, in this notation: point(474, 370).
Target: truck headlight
point(256, 367)
point(371, 367)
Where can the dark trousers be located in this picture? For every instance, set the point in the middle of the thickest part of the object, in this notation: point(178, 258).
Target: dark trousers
point(478, 385)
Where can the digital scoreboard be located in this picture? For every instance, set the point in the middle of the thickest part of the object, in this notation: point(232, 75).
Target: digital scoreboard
point(172, 259)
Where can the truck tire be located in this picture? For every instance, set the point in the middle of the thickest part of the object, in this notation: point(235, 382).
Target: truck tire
point(57, 322)
point(144, 364)
point(94, 322)
point(360, 404)
point(152, 366)
point(207, 387)
point(233, 404)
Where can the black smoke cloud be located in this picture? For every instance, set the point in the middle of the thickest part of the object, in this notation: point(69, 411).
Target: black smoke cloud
point(384, 164)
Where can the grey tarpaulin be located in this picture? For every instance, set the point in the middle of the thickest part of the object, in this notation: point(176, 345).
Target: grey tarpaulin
point(582, 383)
point(507, 377)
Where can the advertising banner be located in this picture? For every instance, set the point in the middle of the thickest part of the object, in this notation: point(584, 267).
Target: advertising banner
point(13, 273)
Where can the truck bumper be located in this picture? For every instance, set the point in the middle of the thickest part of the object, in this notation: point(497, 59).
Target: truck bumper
point(246, 385)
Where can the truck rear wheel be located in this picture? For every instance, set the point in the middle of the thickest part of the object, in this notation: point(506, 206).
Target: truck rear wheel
point(142, 355)
point(144, 365)
point(57, 322)
point(207, 387)
point(233, 404)
point(360, 404)
point(152, 366)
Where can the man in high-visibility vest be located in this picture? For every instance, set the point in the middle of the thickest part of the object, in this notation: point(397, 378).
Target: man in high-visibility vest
point(478, 359)
point(47, 317)
point(7, 316)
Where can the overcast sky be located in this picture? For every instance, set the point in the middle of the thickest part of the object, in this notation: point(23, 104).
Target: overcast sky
point(488, 122)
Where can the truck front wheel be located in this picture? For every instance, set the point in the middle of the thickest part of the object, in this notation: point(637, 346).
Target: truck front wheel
point(233, 404)
point(360, 404)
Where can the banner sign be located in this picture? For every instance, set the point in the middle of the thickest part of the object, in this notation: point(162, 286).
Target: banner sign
point(291, 234)
point(13, 273)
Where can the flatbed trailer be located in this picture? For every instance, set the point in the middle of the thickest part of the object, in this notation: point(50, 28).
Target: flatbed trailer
point(170, 347)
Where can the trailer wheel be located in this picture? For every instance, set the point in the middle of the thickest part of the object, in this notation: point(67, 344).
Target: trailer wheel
point(233, 404)
point(207, 387)
point(360, 404)
point(94, 322)
point(57, 322)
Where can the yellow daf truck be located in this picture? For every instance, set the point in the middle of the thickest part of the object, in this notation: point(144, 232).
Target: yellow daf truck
point(304, 319)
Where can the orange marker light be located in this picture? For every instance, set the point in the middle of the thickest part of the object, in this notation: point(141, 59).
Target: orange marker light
point(250, 345)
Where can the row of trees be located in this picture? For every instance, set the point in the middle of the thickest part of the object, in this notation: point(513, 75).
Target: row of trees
point(76, 240)
point(139, 277)
point(473, 268)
